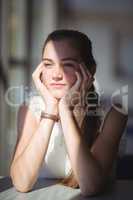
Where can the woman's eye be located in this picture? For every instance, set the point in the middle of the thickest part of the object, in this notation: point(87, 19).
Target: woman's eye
point(69, 65)
point(47, 65)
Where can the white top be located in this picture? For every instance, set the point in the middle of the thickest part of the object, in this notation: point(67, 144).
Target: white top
point(56, 162)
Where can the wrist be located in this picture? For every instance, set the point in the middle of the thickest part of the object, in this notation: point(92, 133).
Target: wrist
point(52, 110)
point(64, 109)
point(53, 117)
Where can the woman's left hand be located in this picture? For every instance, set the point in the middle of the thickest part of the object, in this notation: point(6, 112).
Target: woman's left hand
point(74, 96)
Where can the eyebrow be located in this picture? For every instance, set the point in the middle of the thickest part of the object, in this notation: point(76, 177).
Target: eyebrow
point(63, 59)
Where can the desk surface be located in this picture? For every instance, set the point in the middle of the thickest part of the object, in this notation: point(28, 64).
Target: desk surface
point(47, 189)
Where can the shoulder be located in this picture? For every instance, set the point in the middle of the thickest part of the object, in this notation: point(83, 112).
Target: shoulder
point(31, 108)
point(25, 117)
point(116, 113)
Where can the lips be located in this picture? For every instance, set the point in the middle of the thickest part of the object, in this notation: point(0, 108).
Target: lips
point(57, 85)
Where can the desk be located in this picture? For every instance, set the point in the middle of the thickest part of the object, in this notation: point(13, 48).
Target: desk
point(46, 189)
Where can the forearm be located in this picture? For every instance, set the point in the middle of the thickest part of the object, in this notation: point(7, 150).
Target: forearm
point(86, 169)
point(109, 139)
point(25, 168)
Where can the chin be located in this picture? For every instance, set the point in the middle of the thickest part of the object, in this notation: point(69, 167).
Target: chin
point(58, 94)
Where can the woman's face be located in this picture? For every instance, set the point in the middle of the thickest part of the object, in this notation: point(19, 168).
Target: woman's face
point(60, 61)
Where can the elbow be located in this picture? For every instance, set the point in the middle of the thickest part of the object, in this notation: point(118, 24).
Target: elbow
point(21, 187)
point(19, 183)
point(94, 184)
point(92, 187)
point(90, 191)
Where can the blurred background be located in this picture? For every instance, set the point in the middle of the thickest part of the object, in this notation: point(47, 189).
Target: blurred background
point(24, 26)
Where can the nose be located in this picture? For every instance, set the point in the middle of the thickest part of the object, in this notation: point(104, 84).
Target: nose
point(58, 73)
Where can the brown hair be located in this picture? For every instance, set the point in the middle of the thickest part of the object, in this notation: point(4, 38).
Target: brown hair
point(83, 44)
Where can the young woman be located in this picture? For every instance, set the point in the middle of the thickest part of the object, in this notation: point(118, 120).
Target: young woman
point(60, 131)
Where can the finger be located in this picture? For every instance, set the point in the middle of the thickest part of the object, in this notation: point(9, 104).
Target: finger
point(38, 67)
point(85, 77)
point(77, 84)
point(87, 71)
point(90, 83)
point(38, 70)
point(69, 95)
point(42, 87)
point(84, 72)
point(38, 84)
point(37, 73)
point(37, 76)
point(89, 74)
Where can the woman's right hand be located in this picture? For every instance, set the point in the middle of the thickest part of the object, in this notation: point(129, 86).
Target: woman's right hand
point(51, 103)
